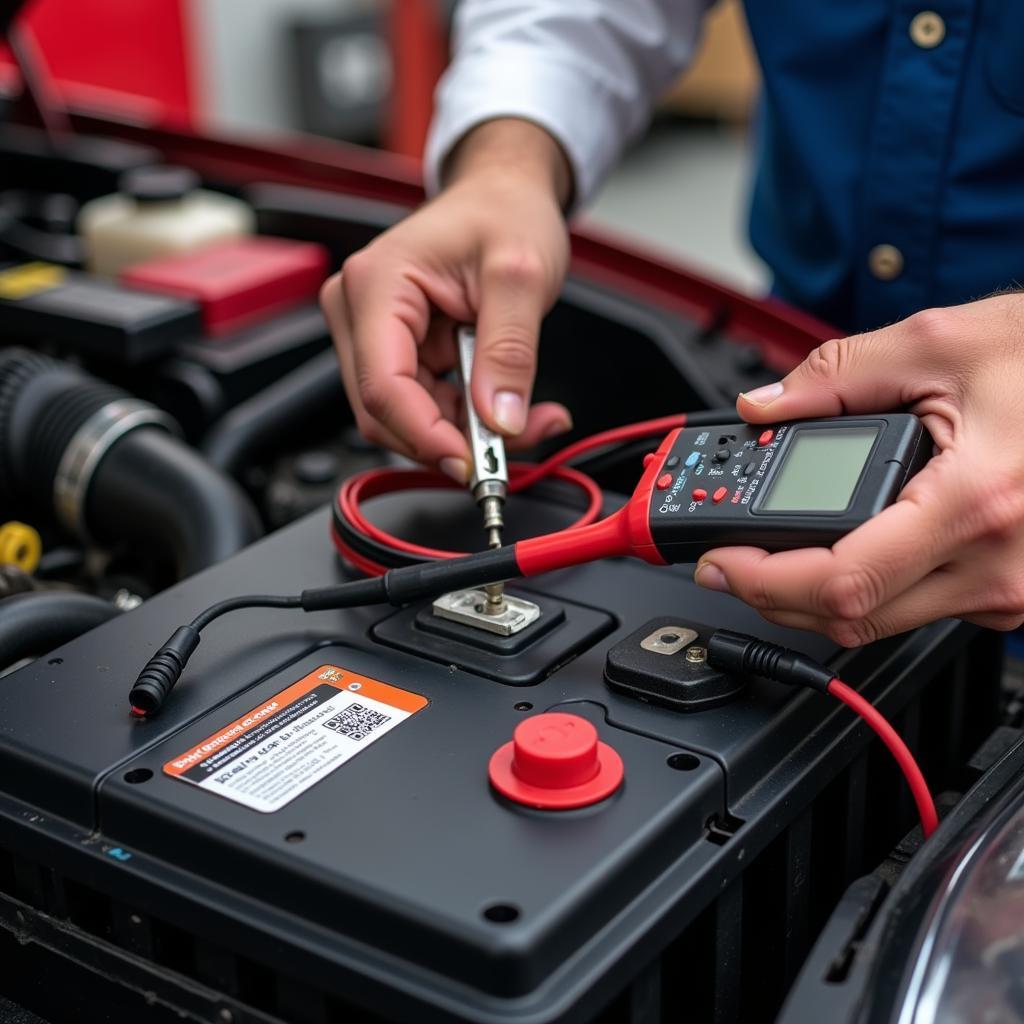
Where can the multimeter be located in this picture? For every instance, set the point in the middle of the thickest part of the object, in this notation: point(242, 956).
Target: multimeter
point(803, 484)
point(793, 485)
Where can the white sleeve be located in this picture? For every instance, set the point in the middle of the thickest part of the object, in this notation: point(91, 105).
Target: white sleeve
point(587, 71)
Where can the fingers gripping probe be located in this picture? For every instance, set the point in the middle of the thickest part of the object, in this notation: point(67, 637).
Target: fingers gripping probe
point(489, 482)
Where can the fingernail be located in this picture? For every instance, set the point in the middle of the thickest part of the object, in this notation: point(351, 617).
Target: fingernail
point(764, 395)
point(711, 578)
point(509, 412)
point(455, 468)
point(557, 428)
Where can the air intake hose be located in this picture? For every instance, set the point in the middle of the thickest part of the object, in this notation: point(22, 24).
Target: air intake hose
point(33, 624)
point(109, 466)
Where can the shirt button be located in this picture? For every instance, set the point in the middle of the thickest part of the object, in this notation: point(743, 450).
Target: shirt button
point(885, 262)
point(927, 30)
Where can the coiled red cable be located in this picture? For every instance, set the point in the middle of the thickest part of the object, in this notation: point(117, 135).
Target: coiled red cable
point(376, 482)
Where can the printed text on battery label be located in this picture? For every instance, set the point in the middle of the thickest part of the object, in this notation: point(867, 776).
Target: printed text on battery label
point(276, 751)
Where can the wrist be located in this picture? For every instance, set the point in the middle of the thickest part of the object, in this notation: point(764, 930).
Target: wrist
point(511, 146)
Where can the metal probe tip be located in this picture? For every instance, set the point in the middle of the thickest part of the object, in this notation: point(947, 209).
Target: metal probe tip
point(494, 523)
point(489, 482)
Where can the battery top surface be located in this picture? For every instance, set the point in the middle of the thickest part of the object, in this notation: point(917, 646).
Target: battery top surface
point(332, 791)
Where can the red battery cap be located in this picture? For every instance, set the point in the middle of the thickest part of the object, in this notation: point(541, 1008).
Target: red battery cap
point(237, 282)
point(555, 762)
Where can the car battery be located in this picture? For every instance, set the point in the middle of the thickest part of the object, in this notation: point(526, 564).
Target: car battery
point(239, 282)
point(315, 829)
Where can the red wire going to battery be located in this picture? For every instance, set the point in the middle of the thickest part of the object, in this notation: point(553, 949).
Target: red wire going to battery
point(375, 482)
point(904, 758)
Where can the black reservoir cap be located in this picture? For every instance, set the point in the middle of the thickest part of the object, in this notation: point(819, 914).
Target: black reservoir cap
point(89, 315)
point(159, 184)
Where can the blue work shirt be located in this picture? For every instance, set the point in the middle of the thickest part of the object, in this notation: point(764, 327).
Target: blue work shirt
point(876, 131)
point(890, 139)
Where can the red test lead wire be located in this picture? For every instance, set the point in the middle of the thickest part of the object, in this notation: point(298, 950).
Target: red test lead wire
point(749, 655)
point(372, 550)
point(899, 750)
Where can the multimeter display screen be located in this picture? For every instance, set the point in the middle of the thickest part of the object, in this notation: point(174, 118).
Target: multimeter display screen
point(820, 470)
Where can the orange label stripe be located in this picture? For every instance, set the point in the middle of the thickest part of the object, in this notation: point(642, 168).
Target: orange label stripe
point(342, 680)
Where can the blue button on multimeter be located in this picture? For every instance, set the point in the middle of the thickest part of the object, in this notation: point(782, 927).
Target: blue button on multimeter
point(693, 458)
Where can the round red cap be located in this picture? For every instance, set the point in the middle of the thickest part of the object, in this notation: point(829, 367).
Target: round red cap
point(554, 762)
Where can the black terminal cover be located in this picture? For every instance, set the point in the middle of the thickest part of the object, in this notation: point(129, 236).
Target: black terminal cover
point(661, 663)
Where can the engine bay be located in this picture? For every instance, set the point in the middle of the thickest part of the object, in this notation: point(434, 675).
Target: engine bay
point(310, 831)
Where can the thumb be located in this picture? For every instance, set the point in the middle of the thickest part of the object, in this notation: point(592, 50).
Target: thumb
point(512, 303)
point(864, 373)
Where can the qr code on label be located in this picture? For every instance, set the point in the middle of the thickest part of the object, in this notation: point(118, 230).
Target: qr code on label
point(357, 722)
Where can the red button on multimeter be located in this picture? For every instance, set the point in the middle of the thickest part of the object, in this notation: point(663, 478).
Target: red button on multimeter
point(699, 494)
point(719, 494)
point(664, 481)
point(765, 438)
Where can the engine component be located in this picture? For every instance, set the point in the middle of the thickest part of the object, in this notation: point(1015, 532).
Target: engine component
point(35, 623)
point(153, 489)
point(20, 545)
point(157, 211)
point(107, 466)
point(14, 581)
point(236, 282)
point(254, 425)
point(341, 222)
point(205, 378)
point(40, 226)
point(85, 165)
point(44, 302)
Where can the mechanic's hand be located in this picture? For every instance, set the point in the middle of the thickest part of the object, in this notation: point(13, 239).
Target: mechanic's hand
point(491, 249)
point(953, 544)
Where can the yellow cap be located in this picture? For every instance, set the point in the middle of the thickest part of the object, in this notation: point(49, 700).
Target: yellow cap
point(20, 545)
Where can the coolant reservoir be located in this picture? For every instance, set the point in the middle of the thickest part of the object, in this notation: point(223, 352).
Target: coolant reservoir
point(158, 211)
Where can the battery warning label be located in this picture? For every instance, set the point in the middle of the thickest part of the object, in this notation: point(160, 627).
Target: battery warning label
point(278, 750)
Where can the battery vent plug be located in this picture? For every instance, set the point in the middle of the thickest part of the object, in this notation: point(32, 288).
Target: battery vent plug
point(555, 762)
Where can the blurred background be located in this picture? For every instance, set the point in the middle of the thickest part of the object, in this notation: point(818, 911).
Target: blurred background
point(363, 71)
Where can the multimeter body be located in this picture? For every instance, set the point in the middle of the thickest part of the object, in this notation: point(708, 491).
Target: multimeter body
point(801, 484)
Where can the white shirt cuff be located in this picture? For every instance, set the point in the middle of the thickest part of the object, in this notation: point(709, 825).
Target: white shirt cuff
point(573, 107)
